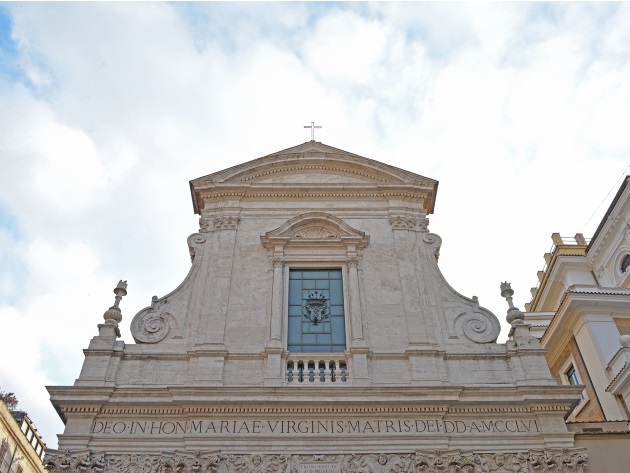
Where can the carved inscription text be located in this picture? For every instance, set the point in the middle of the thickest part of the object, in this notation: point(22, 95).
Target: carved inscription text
point(260, 427)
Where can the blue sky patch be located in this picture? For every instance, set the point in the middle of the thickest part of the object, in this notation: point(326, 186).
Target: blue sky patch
point(8, 223)
point(9, 54)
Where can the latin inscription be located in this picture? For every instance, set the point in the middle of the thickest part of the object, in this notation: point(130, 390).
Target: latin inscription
point(318, 468)
point(313, 427)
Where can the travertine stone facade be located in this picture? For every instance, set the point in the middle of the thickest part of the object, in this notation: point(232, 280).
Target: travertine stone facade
point(420, 371)
point(559, 460)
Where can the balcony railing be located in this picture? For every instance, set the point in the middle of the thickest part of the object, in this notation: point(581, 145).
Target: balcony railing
point(316, 370)
point(561, 245)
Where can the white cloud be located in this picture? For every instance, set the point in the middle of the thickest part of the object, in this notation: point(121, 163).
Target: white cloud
point(518, 109)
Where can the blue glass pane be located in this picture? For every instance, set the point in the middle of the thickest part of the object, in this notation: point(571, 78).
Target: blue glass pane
point(336, 292)
point(295, 334)
point(321, 284)
point(338, 330)
point(324, 339)
point(315, 349)
point(308, 284)
point(316, 328)
point(328, 335)
point(336, 310)
point(295, 293)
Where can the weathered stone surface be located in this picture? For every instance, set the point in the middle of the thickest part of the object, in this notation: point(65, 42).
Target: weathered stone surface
point(210, 370)
point(565, 460)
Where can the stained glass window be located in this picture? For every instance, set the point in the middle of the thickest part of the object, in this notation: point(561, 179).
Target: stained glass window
point(316, 317)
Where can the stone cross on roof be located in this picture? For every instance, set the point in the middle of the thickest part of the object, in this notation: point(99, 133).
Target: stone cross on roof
point(312, 127)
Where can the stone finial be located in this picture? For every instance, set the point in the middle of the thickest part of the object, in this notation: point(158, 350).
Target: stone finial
point(513, 313)
point(624, 341)
point(113, 315)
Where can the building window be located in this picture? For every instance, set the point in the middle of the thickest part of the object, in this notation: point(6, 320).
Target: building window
point(316, 315)
point(625, 263)
point(3, 452)
point(573, 378)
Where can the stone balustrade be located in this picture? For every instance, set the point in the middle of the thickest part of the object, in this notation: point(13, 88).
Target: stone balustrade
point(312, 369)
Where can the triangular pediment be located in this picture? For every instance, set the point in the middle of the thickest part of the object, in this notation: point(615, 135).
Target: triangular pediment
point(314, 164)
point(314, 156)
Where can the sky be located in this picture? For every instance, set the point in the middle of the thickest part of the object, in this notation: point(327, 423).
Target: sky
point(107, 110)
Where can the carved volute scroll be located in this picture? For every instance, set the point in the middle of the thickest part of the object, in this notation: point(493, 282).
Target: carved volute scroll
point(478, 326)
point(155, 323)
point(152, 327)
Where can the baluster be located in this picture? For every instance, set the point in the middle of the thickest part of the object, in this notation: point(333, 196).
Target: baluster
point(333, 371)
point(290, 367)
point(344, 372)
point(300, 371)
point(311, 371)
point(327, 375)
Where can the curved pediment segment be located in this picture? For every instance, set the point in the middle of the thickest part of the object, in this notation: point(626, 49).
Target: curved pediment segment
point(315, 227)
point(314, 172)
point(316, 165)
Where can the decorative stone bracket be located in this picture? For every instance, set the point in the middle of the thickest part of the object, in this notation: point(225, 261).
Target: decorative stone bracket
point(403, 222)
point(548, 460)
point(226, 222)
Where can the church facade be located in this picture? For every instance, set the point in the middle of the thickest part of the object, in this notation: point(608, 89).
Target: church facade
point(314, 333)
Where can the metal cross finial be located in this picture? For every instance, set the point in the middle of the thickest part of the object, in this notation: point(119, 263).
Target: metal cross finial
point(312, 127)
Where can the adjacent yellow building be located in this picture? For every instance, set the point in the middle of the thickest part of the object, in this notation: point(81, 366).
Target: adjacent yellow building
point(580, 311)
point(21, 448)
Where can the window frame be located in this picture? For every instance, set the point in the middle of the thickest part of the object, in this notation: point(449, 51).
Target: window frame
point(616, 262)
point(567, 366)
point(315, 265)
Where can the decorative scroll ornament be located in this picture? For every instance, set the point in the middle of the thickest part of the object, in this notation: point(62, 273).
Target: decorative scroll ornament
point(315, 233)
point(316, 308)
point(378, 463)
point(257, 463)
point(480, 326)
point(532, 461)
point(151, 327)
point(194, 240)
point(352, 262)
point(434, 240)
